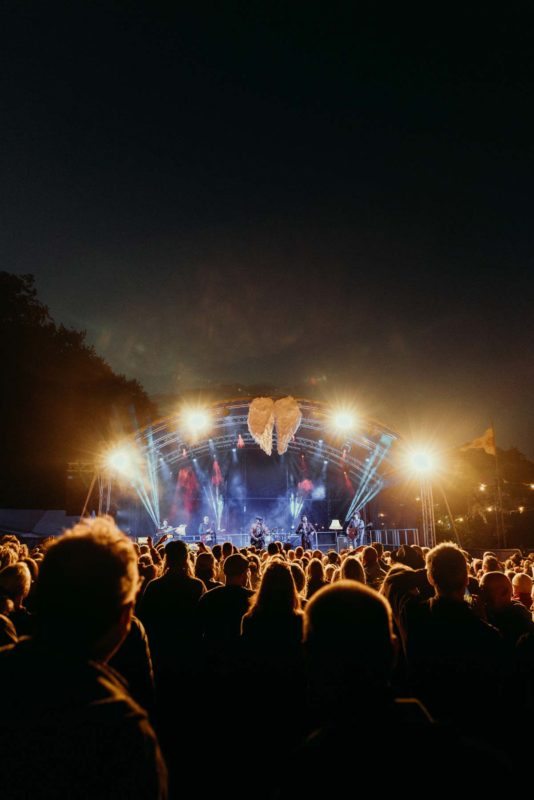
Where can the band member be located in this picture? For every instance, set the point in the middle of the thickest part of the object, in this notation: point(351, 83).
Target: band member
point(258, 532)
point(305, 529)
point(207, 532)
point(356, 530)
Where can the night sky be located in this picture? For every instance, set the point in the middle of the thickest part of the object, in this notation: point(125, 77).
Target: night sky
point(285, 193)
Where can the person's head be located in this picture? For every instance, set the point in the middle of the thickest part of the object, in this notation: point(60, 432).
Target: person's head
point(206, 519)
point(177, 557)
point(333, 558)
point(304, 518)
point(236, 570)
point(315, 570)
point(349, 640)
point(298, 576)
point(496, 590)
point(412, 557)
point(15, 582)
point(329, 572)
point(217, 551)
point(447, 570)
point(299, 552)
point(87, 587)
point(227, 549)
point(272, 549)
point(522, 583)
point(254, 564)
point(352, 570)
point(379, 547)
point(369, 556)
point(491, 564)
point(277, 593)
point(205, 567)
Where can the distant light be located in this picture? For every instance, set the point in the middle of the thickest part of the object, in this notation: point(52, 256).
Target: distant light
point(459, 519)
point(482, 487)
point(521, 509)
point(120, 460)
point(343, 420)
point(532, 485)
point(489, 508)
point(196, 420)
point(234, 450)
point(325, 461)
point(381, 514)
point(417, 499)
point(421, 461)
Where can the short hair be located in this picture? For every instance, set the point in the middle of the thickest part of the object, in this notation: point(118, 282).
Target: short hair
point(272, 548)
point(447, 566)
point(369, 555)
point(379, 547)
point(176, 554)
point(86, 578)
point(491, 564)
point(235, 565)
point(522, 583)
point(205, 566)
point(351, 624)
point(15, 580)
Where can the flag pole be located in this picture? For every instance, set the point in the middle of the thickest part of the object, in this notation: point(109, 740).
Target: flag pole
point(499, 518)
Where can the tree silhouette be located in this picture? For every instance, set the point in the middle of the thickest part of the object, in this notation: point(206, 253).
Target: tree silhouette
point(60, 401)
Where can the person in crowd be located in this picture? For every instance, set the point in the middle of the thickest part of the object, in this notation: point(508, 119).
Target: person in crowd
point(205, 570)
point(299, 577)
point(15, 584)
point(272, 627)
point(315, 577)
point(86, 735)
point(450, 651)
point(522, 585)
point(352, 570)
point(168, 610)
point(509, 616)
point(374, 575)
point(379, 547)
point(221, 610)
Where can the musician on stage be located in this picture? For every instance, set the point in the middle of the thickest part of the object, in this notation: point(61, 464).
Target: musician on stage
point(258, 532)
point(207, 532)
point(356, 530)
point(305, 530)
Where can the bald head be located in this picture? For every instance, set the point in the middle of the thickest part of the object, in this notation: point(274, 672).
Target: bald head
point(522, 583)
point(496, 590)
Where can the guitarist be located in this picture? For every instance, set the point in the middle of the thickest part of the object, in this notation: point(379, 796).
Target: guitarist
point(258, 532)
point(207, 532)
point(356, 530)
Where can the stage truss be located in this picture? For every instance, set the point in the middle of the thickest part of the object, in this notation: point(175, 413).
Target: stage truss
point(360, 452)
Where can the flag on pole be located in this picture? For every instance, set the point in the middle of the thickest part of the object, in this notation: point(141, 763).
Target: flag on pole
point(485, 442)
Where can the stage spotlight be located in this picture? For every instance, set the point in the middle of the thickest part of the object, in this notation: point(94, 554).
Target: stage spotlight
point(196, 420)
point(120, 460)
point(343, 420)
point(422, 461)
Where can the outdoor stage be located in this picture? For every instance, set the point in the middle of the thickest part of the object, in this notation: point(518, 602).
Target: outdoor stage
point(206, 462)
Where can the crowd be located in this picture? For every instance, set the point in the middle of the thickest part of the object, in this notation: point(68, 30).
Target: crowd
point(140, 671)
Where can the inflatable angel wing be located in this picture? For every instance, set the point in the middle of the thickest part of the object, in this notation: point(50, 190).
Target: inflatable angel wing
point(288, 418)
point(261, 422)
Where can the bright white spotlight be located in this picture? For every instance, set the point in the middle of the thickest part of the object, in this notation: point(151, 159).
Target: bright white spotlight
point(421, 461)
point(120, 460)
point(343, 420)
point(196, 420)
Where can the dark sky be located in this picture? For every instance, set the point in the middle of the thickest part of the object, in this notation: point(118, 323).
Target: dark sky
point(285, 193)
